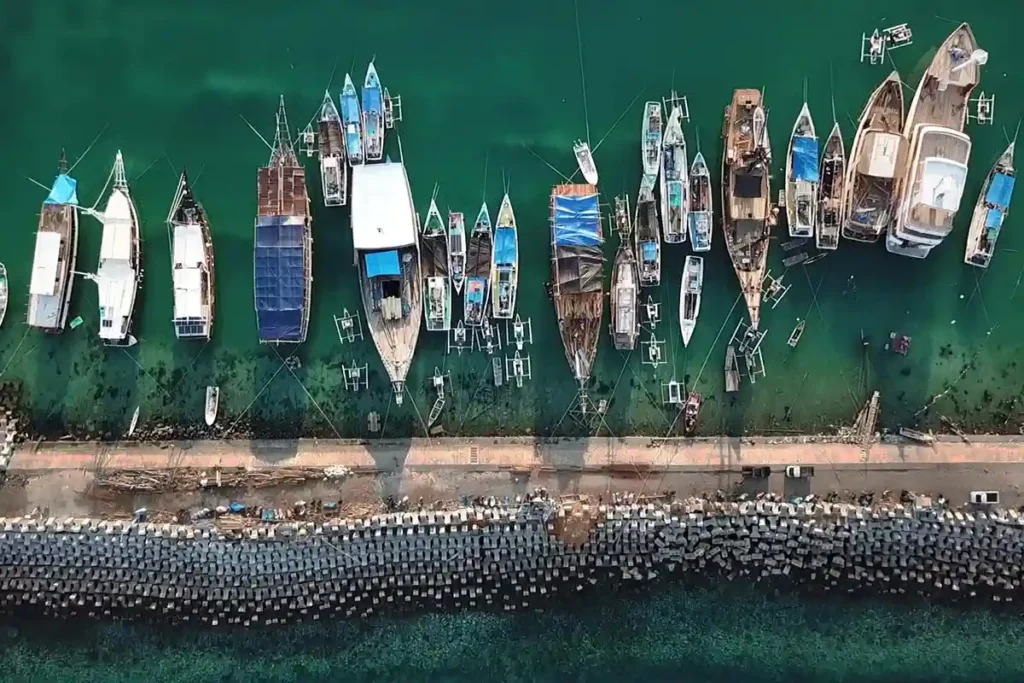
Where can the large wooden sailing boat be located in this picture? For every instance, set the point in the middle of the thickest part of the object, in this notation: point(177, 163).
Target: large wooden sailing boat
point(802, 176)
point(53, 264)
point(283, 243)
point(990, 211)
point(876, 158)
point(505, 262)
point(832, 172)
point(577, 275)
point(746, 194)
point(333, 169)
point(478, 270)
point(191, 264)
point(674, 185)
point(647, 234)
point(625, 288)
point(437, 305)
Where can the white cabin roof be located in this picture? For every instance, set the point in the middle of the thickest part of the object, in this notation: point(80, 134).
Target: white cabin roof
point(883, 154)
point(45, 264)
point(117, 228)
point(116, 285)
point(941, 184)
point(382, 211)
point(189, 258)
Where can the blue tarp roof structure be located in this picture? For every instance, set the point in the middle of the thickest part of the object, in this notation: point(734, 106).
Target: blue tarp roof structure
point(64, 191)
point(372, 100)
point(1000, 191)
point(350, 111)
point(505, 246)
point(280, 277)
point(805, 159)
point(382, 263)
point(993, 219)
point(577, 221)
point(649, 251)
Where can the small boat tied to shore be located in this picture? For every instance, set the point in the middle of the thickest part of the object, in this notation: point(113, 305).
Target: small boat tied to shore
point(647, 234)
point(352, 117)
point(457, 248)
point(437, 304)
point(192, 272)
point(373, 115)
point(478, 270)
point(701, 210)
point(212, 404)
point(802, 176)
point(505, 263)
point(625, 287)
point(53, 263)
point(990, 211)
point(689, 296)
point(650, 140)
point(333, 168)
point(691, 411)
point(674, 183)
point(832, 174)
point(4, 293)
point(585, 161)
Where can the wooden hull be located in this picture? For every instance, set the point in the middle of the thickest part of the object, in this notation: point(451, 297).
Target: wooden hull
point(187, 213)
point(700, 216)
point(437, 286)
point(832, 172)
point(333, 167)
point(801, 195)
point(49, 313)
point(988, 217)
point(625, 297)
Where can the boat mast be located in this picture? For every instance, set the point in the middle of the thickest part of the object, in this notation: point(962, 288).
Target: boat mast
point(282, 153)
point(62, 165)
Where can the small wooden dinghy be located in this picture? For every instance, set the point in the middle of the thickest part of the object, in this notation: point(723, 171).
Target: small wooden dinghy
point(134, 423)
point(802, 176)
point(4, 291)
point(212, 403)
point(732, 370)
point(990, 211)
point(832, 173)
point(585, 160)
point(689, 296)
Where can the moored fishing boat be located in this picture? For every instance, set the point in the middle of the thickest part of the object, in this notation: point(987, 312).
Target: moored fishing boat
point(832, 174)
point(876, 157)
point(505, 262)
point(585, 161)
point(478, 270)
point(437, 304)
point(577, 276)
point(674, 183)
point(802, 176)
point(647, 234)
point(283, 243)
point(212, 404)
point(990, 211)
point(457, 248)
point(650, 140)
point(333, 169)
point(352, 117)
point(932, 184)
point(192, 272)
point(387, 253)
point(689, 296)
point(373, 116)
point(625, 287)
point(53, 263)
point(691, 411)
point(701, 210)
point(5, 292)
point(746, 194)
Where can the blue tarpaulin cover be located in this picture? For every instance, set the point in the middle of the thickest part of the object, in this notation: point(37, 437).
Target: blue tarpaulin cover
point(993, 219)
point(380, 263)
point(280, 277)
point(64, 191)
point(475, 290)
point(1000, 191)
point(350, 112)
point(805, 159)
point(505, 246)
point(649, 251)
point(577, 222)
point(372, 100)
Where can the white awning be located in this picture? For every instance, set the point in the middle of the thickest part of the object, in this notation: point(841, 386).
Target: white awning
point(44, 264)
point(189, 250)
point(883, 156)
point(117, 228)
point(942, 184)
point(382, 210)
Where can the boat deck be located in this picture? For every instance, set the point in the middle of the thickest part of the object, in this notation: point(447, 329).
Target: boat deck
point(48, 311)
point(943, 93)
point(282, 191)
point(332, 139)
point(393, 313)
point(944, 146)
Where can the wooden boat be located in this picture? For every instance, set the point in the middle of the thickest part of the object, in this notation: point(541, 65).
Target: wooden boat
point(478, 270)
point(134, 423)
point(915, 435)
point(832, 173)
point(333, 169)
point(732, 370)
point(876, 158)
point(585, 160)
point(794, 336)
point(505, 263)
point(674, 183)
point(53, 264)
point(746, 195)
point(691, 411)
point(192, 271)
point(212, 404)
point(647, 234)
point(689, 296)
point(932, 184)
point(388, 259)
point(802, 176)
point(650, 140)
point(352, 117)
point(701, 211)
point(119, 272)
point(373, 116)
point(577, 275)
point(625, 287)
point(283, 243)
point(457, 248)
point(437, 304)
point(4, 293)
point(990, 211)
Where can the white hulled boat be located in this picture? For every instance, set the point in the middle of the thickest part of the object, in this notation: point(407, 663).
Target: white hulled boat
point(191, 264)
point(689, 296)
point(333, 169)
point(505, 263)
point(650, 140)
point(674, 183)
point(990, 211)
point(478, 270)
point(352, 117)
point(802, 176)
point(373, 115)
point(701, 210)
point(585, 160)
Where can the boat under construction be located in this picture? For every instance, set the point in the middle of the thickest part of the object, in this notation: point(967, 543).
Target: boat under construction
point(746, 194)
point(192, 271)
point(625, 288)
point(53, 263)
point(283, 252)
point(577, 275)
point(333, 168)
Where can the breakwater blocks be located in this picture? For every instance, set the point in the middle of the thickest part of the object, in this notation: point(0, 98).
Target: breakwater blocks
point(501, 557)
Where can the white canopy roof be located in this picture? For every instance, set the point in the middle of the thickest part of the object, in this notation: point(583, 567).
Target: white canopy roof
point(44, 264)
point(942, 184)
point(117, 228)
point(189, 256)
point(884, 154)
point(382, 210)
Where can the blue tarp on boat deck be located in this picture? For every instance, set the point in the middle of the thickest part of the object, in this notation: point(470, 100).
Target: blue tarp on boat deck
point(1000, 191)
point(805, 159)
point(505, 246)
point(350, 112)
point(577, 222)
point(280, 277)
point(993, 219)
point(384, 263)
point(64, 191)
point(372, 100)
point(476, 289)
point(649, 250)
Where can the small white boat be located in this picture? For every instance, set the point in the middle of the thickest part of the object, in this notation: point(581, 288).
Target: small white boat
point(650, 140)
point(647, 234)
point(505, 263)
point(674, 183)
point(701, 209)
point(435, 265)
point(585, 160)
point(212, 403)
point(4, 289)
point(689, 296)
point(373, 115)
point(333, 169)
point(457, 248)
point(990, 211)
point(802, 177)
point(134, 423)
point(478, 267)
